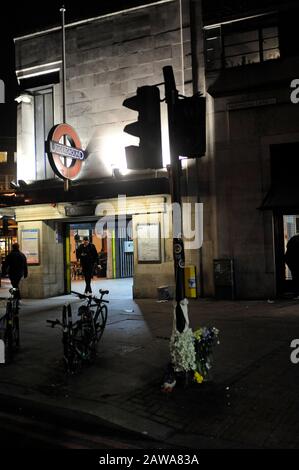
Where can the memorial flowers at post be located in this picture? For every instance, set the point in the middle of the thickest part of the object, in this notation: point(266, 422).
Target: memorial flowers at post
point(204, 341)
point(193, 351)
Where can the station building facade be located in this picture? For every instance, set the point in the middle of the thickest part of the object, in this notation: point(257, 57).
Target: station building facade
point(244, 62)
point(107, 59)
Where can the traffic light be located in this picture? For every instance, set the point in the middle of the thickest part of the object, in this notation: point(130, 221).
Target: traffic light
point(147, 128)
point(5, 229)
point(190, 126)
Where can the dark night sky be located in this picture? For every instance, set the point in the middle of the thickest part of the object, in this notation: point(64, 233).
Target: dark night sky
point(30, 16)
point(18, 19)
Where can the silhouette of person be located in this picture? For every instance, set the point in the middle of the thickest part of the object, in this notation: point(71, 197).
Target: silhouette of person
point(88, 256)
point(15, 265)
point(292, 261)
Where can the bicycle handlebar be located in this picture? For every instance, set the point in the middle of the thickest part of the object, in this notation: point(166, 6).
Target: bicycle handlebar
point(81, 296)
point(53, 323)
point(89, 297)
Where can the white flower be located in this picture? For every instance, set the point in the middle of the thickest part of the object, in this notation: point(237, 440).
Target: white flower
point(182, 351)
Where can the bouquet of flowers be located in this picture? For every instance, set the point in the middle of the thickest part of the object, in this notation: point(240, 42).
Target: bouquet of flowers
point(192, 351)
point(204, 342)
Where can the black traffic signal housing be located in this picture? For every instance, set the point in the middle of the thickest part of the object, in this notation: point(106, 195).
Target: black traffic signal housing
point(148, 155)
point(190, 126)
point(5, 228)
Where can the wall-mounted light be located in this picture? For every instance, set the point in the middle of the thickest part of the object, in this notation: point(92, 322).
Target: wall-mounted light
point(116, 172)
point(24, 98)
point(14, 185)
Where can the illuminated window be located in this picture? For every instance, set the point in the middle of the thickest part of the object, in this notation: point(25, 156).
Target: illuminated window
point(249, 47)
point(3, 157)
point(242, 43)
point(44, 120)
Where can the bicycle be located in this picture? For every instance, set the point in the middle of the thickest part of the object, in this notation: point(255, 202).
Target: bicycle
point(81, 337)
point(9, 324)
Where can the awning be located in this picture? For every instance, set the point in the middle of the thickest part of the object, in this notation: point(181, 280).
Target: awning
point(52, 191)
point(282, 196)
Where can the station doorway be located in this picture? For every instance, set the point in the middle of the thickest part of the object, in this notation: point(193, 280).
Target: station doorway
point(115, 264)
point(285, 226)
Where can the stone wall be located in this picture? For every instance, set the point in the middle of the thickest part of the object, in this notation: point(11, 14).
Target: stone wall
point(242, 171)
point(107, 59)
point(46, 279)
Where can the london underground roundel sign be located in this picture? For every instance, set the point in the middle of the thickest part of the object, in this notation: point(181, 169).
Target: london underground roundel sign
point(66, 161)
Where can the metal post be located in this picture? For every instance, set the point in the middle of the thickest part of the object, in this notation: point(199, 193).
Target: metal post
point(171, 94)
point(63, 10)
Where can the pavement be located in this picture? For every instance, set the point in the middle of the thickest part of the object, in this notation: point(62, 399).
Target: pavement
point(251, 401)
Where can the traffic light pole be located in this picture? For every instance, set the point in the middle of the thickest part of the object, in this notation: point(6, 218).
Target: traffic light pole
point(171, 95)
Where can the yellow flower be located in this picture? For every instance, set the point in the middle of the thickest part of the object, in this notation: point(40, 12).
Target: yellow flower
point(197, 334)
point(198, 378)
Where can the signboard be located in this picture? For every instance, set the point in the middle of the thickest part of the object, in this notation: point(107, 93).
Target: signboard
point(148, 243)
point(129, 247)
point(79, 211)
point(65, 151)
point(30, 246)
point(66, 161)
point(251, 104)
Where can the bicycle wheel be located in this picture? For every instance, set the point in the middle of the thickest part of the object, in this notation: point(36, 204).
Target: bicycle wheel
point(72, 360)
point(16, 332)
point(8, 336)
point(100, 320)
point(71, 357)
point(15, 324)
point(85, 340)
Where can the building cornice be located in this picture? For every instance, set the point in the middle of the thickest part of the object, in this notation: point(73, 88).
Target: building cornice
point(90, 20)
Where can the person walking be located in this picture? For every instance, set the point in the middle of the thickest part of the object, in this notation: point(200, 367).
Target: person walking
point(88, 256)
point(15, 265)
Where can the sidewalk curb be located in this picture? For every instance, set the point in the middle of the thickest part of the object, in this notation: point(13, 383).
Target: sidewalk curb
point(110, 416)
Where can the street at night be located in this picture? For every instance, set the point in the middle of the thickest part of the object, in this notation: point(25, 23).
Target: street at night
point(149, 229)
point(123, 388)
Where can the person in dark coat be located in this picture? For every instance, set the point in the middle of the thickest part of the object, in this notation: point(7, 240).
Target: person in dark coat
point(88, 256)
point(15, 265)
point(292, 261)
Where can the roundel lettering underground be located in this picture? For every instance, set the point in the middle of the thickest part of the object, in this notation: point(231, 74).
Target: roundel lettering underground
point(59, 154)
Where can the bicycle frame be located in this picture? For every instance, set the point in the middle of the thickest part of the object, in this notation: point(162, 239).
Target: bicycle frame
point(79, 338)
point(11, 335)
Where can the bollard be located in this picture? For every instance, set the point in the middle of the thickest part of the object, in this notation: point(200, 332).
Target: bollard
point(190, 282)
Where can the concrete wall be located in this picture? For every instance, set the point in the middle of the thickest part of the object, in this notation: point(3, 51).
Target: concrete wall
point(242, 173)
point(148, 277)
point(46, 279)
point(107, 60)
